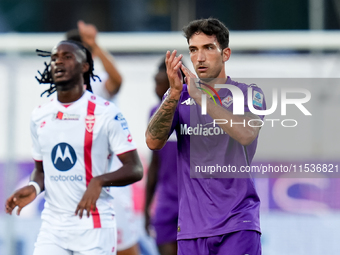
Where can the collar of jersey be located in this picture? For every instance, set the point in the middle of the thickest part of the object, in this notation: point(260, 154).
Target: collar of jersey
point(223, 92)
point(73, 104)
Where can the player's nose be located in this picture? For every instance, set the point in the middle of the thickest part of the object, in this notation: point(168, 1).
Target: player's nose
point(200, 56)
point(58, 60)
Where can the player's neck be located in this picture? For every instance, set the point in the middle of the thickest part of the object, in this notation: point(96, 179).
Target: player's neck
point(222, 76)
point(71, 95)
point(210, 82)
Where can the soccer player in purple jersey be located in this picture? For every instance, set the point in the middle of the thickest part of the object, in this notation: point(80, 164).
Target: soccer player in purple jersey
point(218, 213)
point(162, 179)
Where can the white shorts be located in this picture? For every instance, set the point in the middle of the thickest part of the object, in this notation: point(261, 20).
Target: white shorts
point(127, 227)
point(98, 241)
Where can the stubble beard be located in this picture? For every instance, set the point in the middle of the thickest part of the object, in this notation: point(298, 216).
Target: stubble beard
point(209, 78)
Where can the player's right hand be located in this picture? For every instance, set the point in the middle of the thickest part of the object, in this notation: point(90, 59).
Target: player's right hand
point(89, 199)
point(149, 229)
point(20, 199)
point(88, 33)
point(173, 65)
point(147, 222)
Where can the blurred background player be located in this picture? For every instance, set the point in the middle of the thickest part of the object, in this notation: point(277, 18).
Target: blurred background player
point(162, 181)
point(108, 87)
point(72, 136)
point(111, 79)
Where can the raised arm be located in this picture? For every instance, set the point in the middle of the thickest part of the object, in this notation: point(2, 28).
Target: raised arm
point(88, 33)
point(27, 194)
point(157, 132)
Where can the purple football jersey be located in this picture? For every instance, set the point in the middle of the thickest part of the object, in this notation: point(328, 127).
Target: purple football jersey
point(236, 243)
point(167, 192)
point(214, 204)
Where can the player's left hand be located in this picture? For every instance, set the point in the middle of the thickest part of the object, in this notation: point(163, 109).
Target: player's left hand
point(89, 199)
point(190, 79)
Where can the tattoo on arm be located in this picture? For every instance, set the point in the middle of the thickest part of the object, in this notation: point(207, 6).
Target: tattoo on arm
point(160, 124)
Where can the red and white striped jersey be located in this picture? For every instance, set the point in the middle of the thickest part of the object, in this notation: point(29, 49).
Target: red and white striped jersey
point(74, 143)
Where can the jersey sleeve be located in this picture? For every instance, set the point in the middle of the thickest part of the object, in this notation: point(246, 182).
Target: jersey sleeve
point(36, 149)
point(120, 139)
point(258, 100)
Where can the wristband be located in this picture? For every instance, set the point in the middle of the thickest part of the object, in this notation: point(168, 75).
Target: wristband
point(36, 186)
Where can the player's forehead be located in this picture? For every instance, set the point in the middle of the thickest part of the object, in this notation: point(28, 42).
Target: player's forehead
point(200, 39)
point(67, 47)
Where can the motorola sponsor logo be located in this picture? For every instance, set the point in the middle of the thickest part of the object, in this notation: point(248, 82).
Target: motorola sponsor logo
point(63, 156)
point(65, 178)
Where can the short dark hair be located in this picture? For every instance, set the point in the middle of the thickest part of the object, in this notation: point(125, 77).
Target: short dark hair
point(162, 66)
point(73, 35)
point(46, 76)
point(208, 26)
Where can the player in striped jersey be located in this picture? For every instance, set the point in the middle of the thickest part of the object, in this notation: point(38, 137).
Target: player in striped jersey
point(72, 138)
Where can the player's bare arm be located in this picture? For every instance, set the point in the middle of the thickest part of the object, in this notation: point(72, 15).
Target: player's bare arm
point(150, 187)
point(38, 174)
point(160, 124)
point(130, 172)
point(27, 194)
point(157, 132)
point(244, 134)
point(88, 33)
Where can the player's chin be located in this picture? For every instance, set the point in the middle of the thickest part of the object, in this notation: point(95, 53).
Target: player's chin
point(203, 75)
point(62, 84)
point(60, 80)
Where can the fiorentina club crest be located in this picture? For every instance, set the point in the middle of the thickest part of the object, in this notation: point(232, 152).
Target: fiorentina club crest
point(89, 123)
point(227, 101)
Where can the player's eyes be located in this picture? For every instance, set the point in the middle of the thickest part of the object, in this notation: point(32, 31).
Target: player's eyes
point(192, 50)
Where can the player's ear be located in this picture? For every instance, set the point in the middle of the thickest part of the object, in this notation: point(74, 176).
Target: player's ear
point(226, 54)
point(86, 67)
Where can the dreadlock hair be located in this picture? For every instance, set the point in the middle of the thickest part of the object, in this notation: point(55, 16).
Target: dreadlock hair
point(46, 76)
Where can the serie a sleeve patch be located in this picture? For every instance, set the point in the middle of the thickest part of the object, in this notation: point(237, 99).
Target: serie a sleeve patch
point(257, 98)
